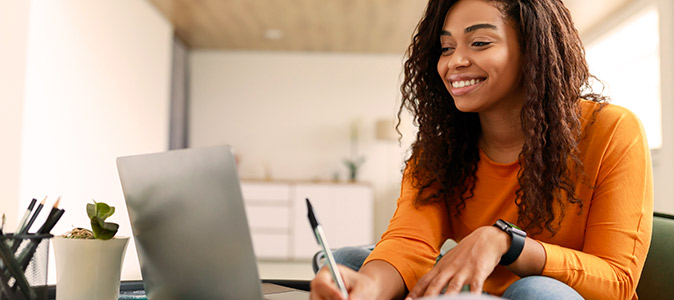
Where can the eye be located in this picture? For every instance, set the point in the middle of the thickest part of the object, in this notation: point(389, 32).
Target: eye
point(446, 50)
point(480, 44)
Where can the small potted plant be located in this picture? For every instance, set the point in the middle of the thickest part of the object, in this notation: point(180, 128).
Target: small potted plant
point(89, 262)
point(353, 164)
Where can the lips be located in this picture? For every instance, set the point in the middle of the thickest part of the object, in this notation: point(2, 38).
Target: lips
point(463, 86)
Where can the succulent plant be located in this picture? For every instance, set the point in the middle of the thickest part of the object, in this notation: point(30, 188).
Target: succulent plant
point(98, 212)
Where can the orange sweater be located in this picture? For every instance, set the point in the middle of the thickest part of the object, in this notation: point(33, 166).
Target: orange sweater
point(599, 252)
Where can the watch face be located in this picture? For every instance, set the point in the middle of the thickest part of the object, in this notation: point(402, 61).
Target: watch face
point(519, 231)
point(509, 227)
point(503, 225)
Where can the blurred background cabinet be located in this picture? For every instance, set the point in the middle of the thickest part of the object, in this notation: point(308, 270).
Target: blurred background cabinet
point(277, 215)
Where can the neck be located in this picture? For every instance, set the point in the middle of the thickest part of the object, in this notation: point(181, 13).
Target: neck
point(502, 137)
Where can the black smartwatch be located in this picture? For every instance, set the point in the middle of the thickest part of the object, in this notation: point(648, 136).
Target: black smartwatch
point(517, 235)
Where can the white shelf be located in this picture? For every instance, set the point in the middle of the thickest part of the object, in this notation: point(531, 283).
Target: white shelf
point(277, 215)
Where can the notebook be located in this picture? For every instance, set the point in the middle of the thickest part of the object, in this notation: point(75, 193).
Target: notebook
point(189, 225)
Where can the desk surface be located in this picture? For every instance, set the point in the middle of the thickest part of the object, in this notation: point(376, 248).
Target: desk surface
point(269, 286)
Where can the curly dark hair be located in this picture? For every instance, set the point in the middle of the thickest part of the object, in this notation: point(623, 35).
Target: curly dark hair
point(555, 77)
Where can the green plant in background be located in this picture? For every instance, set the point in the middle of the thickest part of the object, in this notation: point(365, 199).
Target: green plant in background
point(98, 212)
point(355, 161)
point(353, 166)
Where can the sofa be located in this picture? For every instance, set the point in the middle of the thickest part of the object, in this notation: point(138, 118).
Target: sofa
point(657, 277)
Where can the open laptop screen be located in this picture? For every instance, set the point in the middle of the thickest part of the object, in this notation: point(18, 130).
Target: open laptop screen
point(189, 224)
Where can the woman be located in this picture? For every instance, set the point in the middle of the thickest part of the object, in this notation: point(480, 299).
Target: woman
point(510, 134)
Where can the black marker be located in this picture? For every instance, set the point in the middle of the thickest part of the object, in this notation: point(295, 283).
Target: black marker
point(25, 229)
point(26, 214)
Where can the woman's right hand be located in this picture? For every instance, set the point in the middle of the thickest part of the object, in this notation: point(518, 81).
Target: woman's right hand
point(357, 284)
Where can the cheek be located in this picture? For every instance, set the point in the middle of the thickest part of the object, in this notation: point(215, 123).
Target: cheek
point(515, 69)
point(512, 72)
point(503, 66)
point(442, 71)
point(442, 67)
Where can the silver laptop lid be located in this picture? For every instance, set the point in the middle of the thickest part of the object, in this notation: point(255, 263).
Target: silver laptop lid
point(189, 224)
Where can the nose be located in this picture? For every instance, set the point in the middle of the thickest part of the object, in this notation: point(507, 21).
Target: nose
point(458, 59)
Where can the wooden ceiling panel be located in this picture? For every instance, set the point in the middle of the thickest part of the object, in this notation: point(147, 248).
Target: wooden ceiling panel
point(376, 26)
point(366, 26)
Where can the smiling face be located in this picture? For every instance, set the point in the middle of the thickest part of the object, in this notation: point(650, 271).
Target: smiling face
point(480, 60)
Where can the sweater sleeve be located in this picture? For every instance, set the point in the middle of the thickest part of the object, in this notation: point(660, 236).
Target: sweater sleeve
point(619, 223)
point(414, 236)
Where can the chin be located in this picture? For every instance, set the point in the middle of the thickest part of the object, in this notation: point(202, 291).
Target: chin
point(465, 110)
point(464, 107)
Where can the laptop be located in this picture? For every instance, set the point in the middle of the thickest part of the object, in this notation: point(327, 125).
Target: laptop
point(190, 228)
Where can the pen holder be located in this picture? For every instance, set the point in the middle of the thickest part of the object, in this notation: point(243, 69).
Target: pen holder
point(23, 266)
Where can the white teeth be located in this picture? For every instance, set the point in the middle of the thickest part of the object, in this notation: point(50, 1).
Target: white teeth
point(465, 83)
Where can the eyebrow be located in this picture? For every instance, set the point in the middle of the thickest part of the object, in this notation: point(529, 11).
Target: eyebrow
point(472, 28)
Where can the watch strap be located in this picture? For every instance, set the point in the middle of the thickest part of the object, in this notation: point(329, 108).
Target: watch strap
point(517, 242)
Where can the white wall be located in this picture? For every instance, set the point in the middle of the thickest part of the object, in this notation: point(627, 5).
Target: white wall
point(13, 33)
point(97, 87)
point(663, 169)
point(288, 115)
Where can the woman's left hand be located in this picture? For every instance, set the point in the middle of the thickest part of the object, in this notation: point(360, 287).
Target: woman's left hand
point(468, 263)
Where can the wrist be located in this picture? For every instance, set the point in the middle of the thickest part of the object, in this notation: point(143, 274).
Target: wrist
point(517, 239)
point(500, 238)
point(384, 280)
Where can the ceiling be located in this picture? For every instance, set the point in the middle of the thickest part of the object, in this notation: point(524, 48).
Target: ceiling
point(358, 26)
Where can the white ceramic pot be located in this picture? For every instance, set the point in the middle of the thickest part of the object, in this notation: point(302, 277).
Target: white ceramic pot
point(88, 269)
